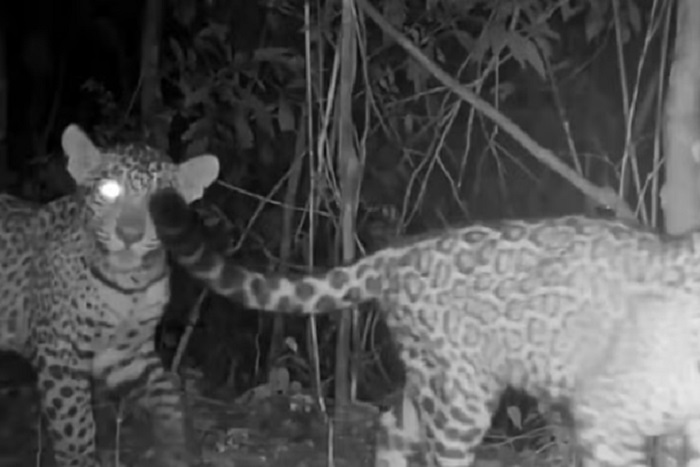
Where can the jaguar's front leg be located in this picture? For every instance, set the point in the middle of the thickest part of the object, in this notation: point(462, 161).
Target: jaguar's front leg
point(66, 403)
point(132, 368)
point(443, 419)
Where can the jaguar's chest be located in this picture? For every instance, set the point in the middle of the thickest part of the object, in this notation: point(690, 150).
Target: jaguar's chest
point(73, 297)
point(110, 307)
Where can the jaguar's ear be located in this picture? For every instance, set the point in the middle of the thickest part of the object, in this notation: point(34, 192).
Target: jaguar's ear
point(196, 174)
point(83, 156)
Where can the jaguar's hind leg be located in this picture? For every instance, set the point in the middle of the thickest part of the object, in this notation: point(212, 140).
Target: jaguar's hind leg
point(443, 421)
point(635, 390)
point(692, 433)
point(613, 453)
point(607, 433)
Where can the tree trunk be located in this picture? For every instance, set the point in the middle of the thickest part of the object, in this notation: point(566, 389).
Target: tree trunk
point(680, 195)
point(350, 172)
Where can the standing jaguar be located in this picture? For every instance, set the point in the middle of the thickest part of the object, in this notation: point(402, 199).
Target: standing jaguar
point(598, 313)
point(83, 283)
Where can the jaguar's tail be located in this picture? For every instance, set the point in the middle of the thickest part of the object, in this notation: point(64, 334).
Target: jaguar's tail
point(184, 235)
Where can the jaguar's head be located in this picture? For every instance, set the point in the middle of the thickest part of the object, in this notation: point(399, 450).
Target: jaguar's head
point(115, 185)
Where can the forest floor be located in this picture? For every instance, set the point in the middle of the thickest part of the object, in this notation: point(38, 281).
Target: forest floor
point(277, 430)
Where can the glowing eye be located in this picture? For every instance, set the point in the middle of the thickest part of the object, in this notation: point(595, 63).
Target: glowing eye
point(110, 189)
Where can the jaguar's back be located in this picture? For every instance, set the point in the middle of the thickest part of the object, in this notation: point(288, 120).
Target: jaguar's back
point(596, 312)
point(83, 283)
point(23, 226)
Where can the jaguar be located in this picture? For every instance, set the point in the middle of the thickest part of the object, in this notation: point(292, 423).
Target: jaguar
point(600, 314)
point(84, 281)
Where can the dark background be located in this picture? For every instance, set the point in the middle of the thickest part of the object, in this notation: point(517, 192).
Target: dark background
point(232, 82)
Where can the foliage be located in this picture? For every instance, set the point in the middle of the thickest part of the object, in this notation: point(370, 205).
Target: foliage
point(431, 159)
point(234, 99)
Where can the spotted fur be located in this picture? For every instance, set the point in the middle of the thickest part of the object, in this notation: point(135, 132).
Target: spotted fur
point(594, 312)
point(83, 283)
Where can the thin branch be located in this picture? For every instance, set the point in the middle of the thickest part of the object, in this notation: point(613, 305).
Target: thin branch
point(600, 195)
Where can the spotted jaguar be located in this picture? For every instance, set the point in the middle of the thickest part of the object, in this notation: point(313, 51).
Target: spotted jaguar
point(597, 313)
point(83, 283)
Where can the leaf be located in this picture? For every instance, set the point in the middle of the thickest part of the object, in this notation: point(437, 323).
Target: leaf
point(525, 51)
point(177, 51)
point(184, 12)
point(458, 8)
point(263, 117)
point(228, 95)
point(191, 58)
point(534, 58)
point(198, 127)
point(634, 16)
point(291, 344)
point(465, 39)
point(595, 22)
point(275, 55)
point(505, 90)
point(285, 116)
point(416, 75)
point(266, 155)
point(492, 41)
point(544, 45)
point(244, 135)
point(278, 379)
point(395, 12)
point(516, 418)
point(626, 34)
point(568, 11)
point(408, 123)
point(197, 147)
point(198, 96)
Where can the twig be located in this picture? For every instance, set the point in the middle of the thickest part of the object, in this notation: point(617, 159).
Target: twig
point(600, 195)
point(659, 111)
point(562, 115)
point(192, 319)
